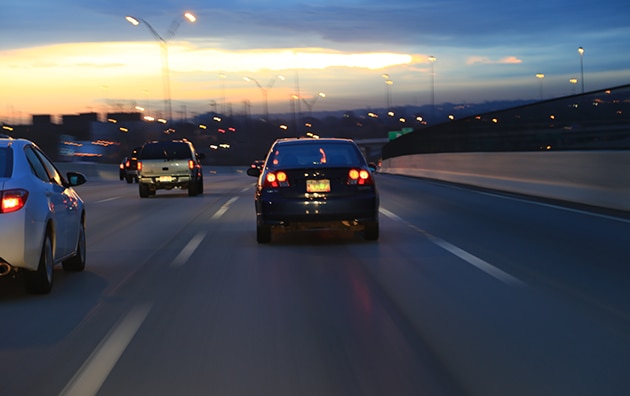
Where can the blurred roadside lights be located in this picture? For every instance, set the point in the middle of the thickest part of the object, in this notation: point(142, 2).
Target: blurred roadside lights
point(112, 120)
point(217, 118)
point(451, 117)
point(149, 118)
point(372, 115)
point(201, 126)
point(214, 147)
point(139, 108)
point(390, 113)
point(401, 119)
point(419, 118)
point(123, 130)
point(7, 128)
point(190, 17)
point(161, 120)
point(284, 127)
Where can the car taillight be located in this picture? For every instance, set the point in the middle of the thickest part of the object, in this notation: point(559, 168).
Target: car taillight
point(276, 179)
point(122, 166)
point(359, 177)
point(13, 200)
point(139, 165)
point(128, 164)
point(191, 164)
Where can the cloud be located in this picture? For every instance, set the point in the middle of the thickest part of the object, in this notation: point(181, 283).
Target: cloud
point(509, 60)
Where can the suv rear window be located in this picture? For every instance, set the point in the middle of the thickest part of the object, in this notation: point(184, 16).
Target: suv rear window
point(166, 150)
point(6, 162)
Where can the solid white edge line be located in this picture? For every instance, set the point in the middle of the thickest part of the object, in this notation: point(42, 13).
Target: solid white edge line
point(188, 250)
point(462, 254)
point(95, 370)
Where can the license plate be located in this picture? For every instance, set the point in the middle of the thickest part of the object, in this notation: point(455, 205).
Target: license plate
point(166, 179)
point(315, 186)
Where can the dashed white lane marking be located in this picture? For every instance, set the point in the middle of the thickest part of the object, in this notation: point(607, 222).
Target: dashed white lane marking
point(106, 200)
point(462, 254)
point(188, 250)
point(223, 208)
point(93, 373)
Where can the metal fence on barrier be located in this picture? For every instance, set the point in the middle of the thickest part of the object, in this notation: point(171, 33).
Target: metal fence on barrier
point(598, 120)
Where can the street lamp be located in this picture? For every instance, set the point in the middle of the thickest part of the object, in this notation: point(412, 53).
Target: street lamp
point(265, 92)
point(432, 59)
point(573, 81)
point(163, 41)
point(388, 91)
point(581, 52)
point(540, 76)
point(310, 105)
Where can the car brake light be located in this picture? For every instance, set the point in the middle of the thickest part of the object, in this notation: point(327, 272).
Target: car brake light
point(276, 179)
point(139, 165)
point(13, 200)
point(359, 176)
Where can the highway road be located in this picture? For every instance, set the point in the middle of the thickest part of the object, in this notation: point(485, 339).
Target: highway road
point(467, 292)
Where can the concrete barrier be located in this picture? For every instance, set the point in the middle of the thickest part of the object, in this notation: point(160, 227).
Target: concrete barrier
point(598, 178)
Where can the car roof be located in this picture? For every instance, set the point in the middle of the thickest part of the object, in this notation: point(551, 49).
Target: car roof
point(312, 140)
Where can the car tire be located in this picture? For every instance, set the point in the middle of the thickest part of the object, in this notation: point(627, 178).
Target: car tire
point(200, 190)
point(77, 262)
point(371, 231)
point(40, 281)
point(130, 179)
point(143, 189)
point(263, 233)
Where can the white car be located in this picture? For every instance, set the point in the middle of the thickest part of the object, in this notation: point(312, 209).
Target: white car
point(42, 218)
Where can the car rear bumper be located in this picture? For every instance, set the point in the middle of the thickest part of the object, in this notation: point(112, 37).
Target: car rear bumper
point(287, 212)
point(20, 243)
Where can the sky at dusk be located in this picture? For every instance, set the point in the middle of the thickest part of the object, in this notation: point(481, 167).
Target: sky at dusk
point(73, 56)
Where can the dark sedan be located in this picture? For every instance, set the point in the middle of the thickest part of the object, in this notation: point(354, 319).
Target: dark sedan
point(315, 183)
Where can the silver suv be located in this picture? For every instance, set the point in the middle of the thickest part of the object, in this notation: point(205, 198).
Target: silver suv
point(164, 165)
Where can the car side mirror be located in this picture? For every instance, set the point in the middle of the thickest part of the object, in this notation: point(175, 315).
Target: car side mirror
point(76, 178)
point(253, 172)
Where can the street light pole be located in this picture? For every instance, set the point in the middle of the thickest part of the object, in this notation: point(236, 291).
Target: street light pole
point(265, 92)
point(310, 105)
point(163, 41)
point(388, 92)
point(540, 76)
point(581, 52)
point(432, 59)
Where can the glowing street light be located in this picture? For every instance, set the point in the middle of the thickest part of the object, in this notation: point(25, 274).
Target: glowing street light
point(540, 76)
point(573, 82)
point(265, 91)
point(163, 41)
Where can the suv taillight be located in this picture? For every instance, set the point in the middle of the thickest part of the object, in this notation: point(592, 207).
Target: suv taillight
point(12, 200)
point(276, 179)
point(139, 165)
point(359, 177)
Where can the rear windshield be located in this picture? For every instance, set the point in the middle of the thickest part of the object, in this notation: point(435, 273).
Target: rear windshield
point(6, 161)
point(166, 150)
point(315, 154)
